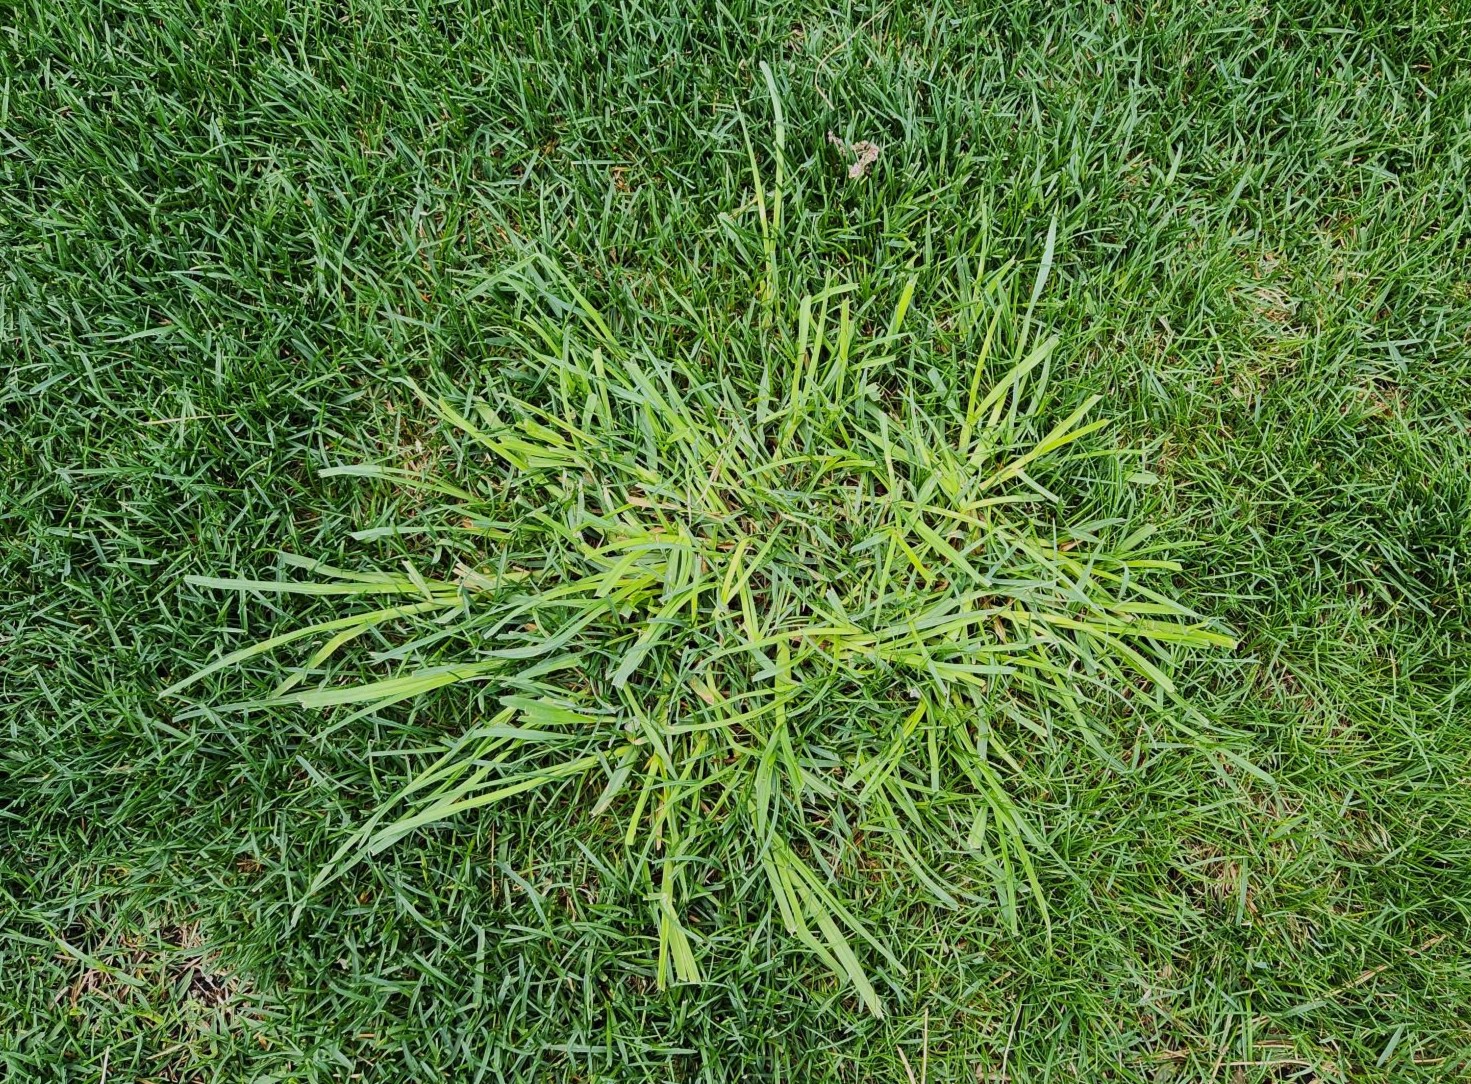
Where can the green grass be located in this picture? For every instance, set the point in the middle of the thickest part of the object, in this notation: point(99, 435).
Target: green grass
point(233, 231)
point(779, 625)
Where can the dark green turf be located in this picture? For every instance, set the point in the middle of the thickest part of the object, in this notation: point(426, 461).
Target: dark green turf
point(224, 226)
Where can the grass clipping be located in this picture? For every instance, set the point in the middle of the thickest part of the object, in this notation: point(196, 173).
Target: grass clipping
point(756, 612)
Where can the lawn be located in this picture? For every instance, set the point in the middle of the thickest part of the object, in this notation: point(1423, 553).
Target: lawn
point(286, 278)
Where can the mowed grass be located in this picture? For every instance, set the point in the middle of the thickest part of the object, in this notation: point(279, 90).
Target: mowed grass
point(229, 229)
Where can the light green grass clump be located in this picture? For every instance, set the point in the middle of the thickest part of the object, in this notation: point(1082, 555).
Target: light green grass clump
point(765, 617)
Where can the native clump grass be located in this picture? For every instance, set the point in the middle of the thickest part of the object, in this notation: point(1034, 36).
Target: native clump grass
point(752, 611)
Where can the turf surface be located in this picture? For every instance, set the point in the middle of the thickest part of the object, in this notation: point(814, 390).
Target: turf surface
point(226, 227)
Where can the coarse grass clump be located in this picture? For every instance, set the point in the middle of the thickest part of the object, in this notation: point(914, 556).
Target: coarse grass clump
point(754, 610)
